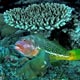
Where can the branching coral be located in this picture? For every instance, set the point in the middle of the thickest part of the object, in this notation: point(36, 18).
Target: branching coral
point(75, 37)
point(75, 32)
point(39, 17)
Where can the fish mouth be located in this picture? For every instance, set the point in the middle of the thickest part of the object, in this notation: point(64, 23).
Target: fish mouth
point(28, 53)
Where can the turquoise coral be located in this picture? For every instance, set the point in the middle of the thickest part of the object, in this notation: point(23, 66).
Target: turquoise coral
point(39, 17)
point(75, 37)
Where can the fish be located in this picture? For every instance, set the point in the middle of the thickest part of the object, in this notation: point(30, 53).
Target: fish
point(26, 47)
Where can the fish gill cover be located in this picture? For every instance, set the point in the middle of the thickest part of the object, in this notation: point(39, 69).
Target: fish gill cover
point(38, 17)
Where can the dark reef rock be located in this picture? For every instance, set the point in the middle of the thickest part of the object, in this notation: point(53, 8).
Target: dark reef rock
point(8, 4)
